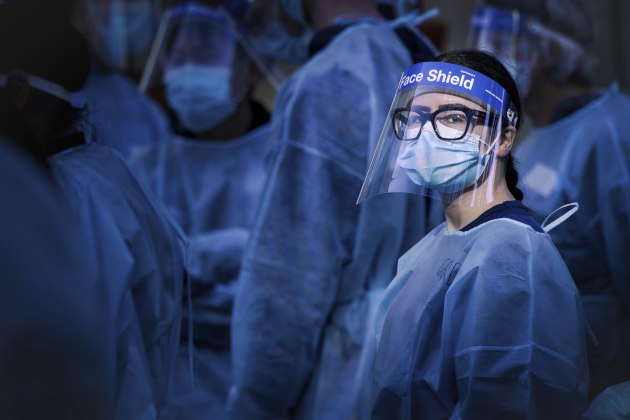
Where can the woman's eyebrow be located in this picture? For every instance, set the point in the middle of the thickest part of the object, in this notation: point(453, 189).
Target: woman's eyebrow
point(420, 108)
point(455, 106)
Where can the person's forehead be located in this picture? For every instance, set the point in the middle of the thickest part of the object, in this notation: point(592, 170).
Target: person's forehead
point(433, 100)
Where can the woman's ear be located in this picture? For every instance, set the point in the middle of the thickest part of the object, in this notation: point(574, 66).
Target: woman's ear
point(508, 135)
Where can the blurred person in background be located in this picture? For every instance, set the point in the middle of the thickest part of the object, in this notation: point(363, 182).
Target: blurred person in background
point(210, 176)
point(120, 34)
point(128, 238)
point(54, 331)
point(316, 262)
point(577, 151)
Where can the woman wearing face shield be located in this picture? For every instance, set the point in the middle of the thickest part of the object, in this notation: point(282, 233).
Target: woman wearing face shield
point(482, 319)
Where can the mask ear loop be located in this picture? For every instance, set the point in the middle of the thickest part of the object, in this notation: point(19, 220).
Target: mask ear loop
point(495, 139)
point(512, 118)
point(547, 227)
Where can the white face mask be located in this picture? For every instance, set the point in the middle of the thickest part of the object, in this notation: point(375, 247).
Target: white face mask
point(200, 95)
point(444, 166)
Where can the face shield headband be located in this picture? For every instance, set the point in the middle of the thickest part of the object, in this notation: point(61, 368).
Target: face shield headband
point(440, 135)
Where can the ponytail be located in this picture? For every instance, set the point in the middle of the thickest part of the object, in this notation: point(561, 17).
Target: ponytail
point(511, 177)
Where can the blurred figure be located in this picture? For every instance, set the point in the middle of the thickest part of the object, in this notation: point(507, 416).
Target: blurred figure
point(210, 177)
point(577, 151)
point(120, 33)
point(316, 262)
point(274, 34)
point(127, 236)
point(210, 173)
point(53, 355)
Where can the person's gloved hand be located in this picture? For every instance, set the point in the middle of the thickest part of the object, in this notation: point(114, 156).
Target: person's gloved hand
point(214, 261)
point(215, 257)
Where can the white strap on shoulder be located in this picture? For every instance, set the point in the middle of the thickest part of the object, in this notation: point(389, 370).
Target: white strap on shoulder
point(547, 227)
point(76, 99)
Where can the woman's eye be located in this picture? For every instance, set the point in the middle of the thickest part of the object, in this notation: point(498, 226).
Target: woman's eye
point(454, 119)
point(414, 119)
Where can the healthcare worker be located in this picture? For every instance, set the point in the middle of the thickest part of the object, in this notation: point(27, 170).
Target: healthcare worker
point(127, 235)
point(315, 262)
point(53, 354)
point(120, 33)
point(577, 151)
point(211, 172)
point(210, 176)
point(482, 319)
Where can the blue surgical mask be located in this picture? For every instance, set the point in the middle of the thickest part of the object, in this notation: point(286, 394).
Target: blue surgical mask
point(277, 43)
point(444, 166)
point(200, 96)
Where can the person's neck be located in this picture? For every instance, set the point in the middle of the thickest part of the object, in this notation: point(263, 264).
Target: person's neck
point(460, 215)
point(328, 11)
point(545, 96)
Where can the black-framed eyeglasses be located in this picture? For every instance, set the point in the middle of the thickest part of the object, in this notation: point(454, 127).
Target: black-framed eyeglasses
point(450, 122)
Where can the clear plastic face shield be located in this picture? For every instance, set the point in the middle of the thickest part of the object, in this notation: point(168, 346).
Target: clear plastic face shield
point(190, 34)
point(505, 34)
point(441, 136)
point(198, 67)
point(121, 31)
point(194, 33)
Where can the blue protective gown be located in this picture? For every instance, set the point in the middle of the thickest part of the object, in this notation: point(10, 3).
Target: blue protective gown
point(316, 260)
point(138, 252)
point(585, 157)
point(212, 188)
point(54, 336)
point(480, 324)
point(207, 185)
point(120, 115)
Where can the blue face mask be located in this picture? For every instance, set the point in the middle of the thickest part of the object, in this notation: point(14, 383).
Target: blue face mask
point(200, 96)
point(444, 166)
point(277, 43)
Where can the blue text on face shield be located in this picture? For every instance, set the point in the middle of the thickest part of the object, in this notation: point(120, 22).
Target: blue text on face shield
point(435, 75)
point(455, 78)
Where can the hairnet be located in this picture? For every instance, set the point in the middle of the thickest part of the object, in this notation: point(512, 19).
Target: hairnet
point(49, 48)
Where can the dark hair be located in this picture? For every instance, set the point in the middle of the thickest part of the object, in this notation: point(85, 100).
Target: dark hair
point(489, 66)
